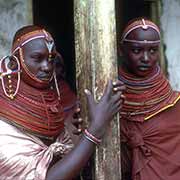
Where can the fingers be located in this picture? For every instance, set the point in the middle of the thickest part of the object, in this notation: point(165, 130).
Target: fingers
point(117, 83)
point(114, 87)
point(77, 121)
point(117, 96)
point(78, 125)
point(90, 99)
point(117, 101)
point(118, 105)
point(77, 112)
point(118, 86)
point(77, 131)
point(108, 90)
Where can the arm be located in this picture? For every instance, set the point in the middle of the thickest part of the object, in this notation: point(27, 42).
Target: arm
point(100, 114)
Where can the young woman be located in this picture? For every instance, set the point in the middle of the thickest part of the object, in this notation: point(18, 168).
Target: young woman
point(34, 142)
point(150, 123)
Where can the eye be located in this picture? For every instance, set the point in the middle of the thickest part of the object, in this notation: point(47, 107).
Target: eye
point(153, 50)
point(136, 51)
point(36, 57)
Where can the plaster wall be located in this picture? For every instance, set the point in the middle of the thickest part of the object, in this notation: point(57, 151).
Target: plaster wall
point(13, 15)
point(170, 23)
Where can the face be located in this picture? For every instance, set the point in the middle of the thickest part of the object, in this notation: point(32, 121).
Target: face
point(36, 59)
point(141, 58)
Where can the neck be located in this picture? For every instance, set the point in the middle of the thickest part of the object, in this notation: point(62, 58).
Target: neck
point(128, 73)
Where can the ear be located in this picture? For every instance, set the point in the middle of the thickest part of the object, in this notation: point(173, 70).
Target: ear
point(120, 50)
point(12, 63)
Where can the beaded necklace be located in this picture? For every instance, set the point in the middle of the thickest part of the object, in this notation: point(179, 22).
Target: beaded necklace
point(37, 111)
point(146, 97)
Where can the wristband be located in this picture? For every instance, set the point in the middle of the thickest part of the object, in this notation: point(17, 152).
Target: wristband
point(91, 137)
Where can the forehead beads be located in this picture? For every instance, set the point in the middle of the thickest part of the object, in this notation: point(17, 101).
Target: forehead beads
point(145, 25)
point(49, 44)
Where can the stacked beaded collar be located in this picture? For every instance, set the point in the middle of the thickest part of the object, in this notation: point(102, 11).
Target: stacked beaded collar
point(146, 97)
point(34, 110)
point(144, 24)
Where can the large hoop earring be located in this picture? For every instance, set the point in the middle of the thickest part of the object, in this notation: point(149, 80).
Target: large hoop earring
point(8, 73)
point(56, 85)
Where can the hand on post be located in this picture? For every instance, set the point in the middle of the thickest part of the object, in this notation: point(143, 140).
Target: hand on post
point(100, 113)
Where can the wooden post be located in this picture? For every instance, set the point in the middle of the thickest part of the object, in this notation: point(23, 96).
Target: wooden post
point(96, 62)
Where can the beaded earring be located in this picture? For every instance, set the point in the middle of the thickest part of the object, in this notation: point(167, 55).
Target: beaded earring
point(9, 91)
point(56, 85)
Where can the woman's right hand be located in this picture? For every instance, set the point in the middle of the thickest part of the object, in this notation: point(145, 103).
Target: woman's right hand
point(100, 115)
point(102, 112)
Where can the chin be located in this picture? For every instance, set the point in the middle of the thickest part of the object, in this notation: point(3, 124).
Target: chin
point(143, 73)
point(37, 84)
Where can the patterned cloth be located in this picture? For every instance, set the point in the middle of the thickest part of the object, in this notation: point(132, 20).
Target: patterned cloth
point(25, 157)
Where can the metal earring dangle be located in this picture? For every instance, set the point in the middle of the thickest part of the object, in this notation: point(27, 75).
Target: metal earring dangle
point(56, 85)
point(50, 45)
point(8, 72)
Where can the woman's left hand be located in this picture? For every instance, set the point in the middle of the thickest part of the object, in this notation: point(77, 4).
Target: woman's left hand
point(77, 121)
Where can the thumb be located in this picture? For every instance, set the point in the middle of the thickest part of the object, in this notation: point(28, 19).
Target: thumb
point(90, 98)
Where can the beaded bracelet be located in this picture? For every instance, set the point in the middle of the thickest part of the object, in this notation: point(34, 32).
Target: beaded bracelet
point(91, 137)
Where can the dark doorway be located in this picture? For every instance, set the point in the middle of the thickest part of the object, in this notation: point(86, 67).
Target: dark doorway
point(127, 10)
point(134, 9)
point(57, 17)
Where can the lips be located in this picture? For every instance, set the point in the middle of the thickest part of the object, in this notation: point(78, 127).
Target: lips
point(44, 77)
point(144, 67)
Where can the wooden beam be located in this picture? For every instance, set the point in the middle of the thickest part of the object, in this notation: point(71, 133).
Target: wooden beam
point(96, 62)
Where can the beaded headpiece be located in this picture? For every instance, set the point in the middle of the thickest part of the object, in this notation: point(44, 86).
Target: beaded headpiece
point(36, 34)
point(26, 38)
point(17, 47)
point(141, 23)
point(36, 110)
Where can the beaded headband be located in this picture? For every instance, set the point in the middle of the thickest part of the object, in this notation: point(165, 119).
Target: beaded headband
point(36, 34)
point(144, 24)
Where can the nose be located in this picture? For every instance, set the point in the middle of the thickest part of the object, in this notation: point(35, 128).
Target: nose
point(145, 56)
point(46, 66)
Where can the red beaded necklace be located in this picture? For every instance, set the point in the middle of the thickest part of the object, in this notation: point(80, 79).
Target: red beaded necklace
point(37, 111)
point(146, 97)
